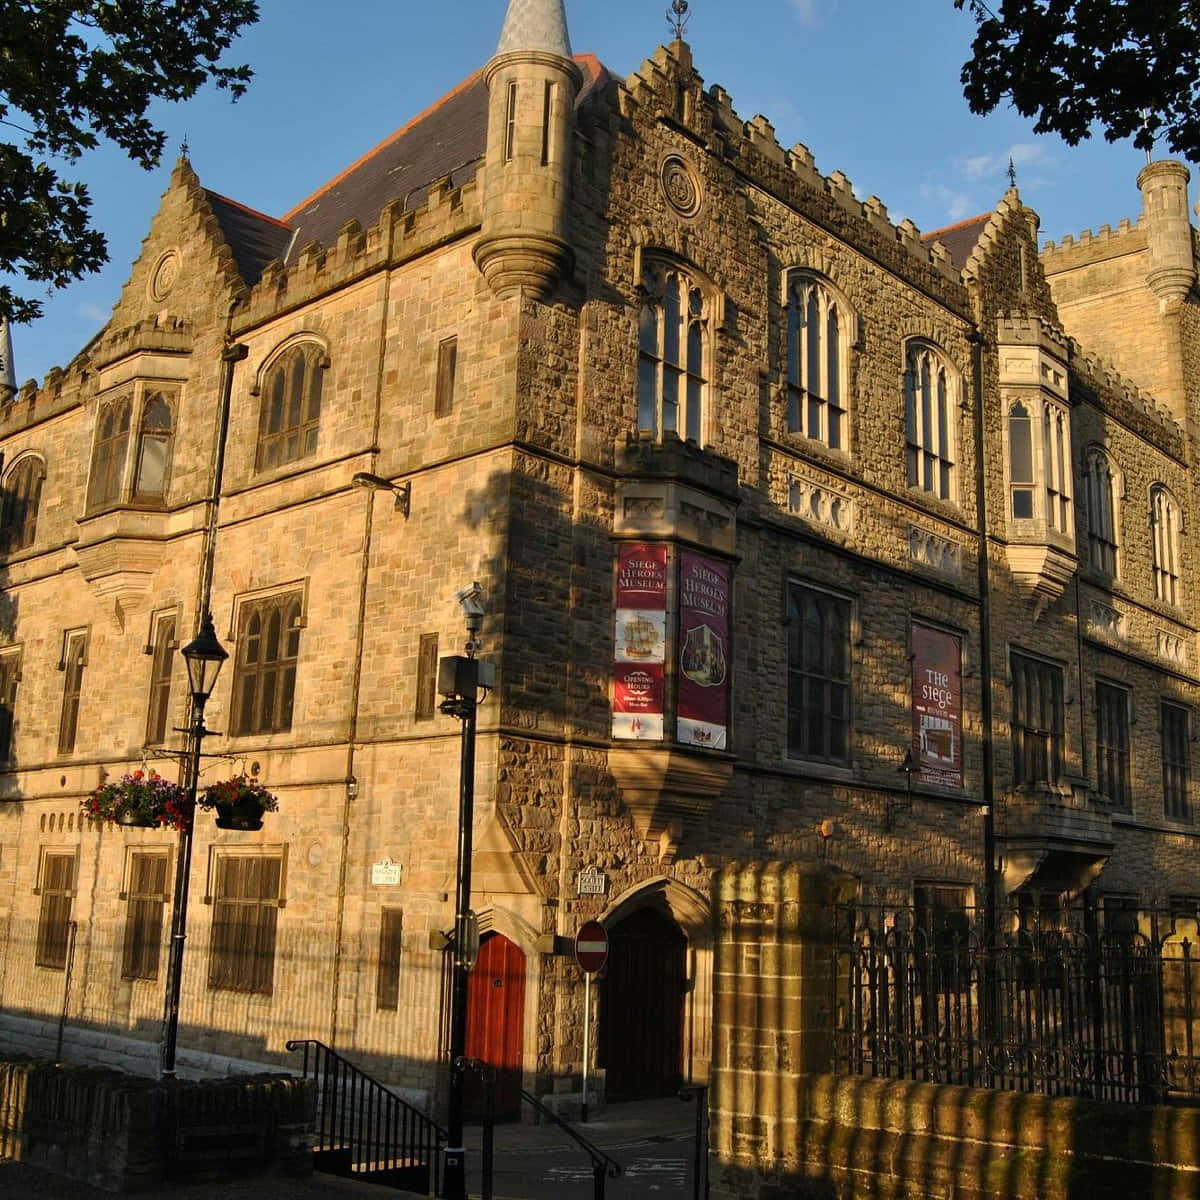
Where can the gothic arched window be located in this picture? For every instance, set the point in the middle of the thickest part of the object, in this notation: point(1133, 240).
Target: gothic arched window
point(1100, 489)
point(19, 513)
point(672, 352)
point(1164, 519)
point(818, 337)
point(154, 449)
point(108, 455)
point(930, 389)
point(290, 417)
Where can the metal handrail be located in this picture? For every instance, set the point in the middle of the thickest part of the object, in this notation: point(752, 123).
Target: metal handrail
point(356, 1112)
point(602, 1164)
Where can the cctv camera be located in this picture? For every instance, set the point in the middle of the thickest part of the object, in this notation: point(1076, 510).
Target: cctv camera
point(471, 599)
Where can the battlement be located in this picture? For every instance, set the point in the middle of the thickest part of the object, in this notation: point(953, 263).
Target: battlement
point(1022, 330)
point(1129, 236)
point(660, 79)
point(1111, 384)
point(448, 212)
point(162, 333)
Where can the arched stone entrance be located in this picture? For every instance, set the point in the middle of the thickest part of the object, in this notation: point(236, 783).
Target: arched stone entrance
point(496, 1024)
point(641, 1006)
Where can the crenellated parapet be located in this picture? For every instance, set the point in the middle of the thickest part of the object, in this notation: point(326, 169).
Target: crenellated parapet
point(1106, 242)
point(161, 334)
point(668, 83)
point(448, 212)
point(1124, 400)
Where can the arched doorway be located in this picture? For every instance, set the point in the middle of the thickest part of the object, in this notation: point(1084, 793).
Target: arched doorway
point(496, 1024)
point(641, 1007)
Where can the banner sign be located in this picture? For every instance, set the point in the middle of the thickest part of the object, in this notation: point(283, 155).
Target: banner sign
point(703, 710)
point(937, 706)
point(640, 646)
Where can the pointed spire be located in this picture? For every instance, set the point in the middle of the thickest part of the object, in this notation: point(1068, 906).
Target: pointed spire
point(8, 375)
point(535, 25)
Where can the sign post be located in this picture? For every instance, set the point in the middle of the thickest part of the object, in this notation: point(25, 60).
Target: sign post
point(591, 953)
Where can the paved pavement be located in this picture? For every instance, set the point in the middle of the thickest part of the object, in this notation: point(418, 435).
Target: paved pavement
point(653, 1140)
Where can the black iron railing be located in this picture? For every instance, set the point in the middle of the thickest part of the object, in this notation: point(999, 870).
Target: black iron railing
point(1060, 1004)
point(603, 1166)
point(365, 1131)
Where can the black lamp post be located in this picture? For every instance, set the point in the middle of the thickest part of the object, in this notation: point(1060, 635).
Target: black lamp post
point(204, 657)
point(459, 680)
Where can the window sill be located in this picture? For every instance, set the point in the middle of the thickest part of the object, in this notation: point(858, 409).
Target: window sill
point(819, 769)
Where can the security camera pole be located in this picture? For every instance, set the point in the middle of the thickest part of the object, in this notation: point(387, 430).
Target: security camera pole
point(459, 680)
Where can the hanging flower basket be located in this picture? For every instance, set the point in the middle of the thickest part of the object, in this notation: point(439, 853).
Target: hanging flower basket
point(140, 800)
point(239, 802)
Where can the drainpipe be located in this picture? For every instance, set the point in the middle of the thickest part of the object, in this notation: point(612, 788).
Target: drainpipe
point(232, 353)
point(985, 641)
point(351, 790)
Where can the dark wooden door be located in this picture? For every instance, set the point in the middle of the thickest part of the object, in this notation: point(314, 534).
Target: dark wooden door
point(496, 1024)
point(641, 1015)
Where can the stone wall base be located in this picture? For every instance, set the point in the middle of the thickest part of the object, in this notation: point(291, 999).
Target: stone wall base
point(126, 1134)
point(854, 1138)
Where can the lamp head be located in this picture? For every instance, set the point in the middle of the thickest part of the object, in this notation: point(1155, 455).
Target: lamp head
point(204, 656)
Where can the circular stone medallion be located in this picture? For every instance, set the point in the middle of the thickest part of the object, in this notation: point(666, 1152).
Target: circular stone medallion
point(165, 273)
point(680, 186)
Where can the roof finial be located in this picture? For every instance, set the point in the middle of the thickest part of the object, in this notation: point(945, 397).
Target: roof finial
point(183, 147)
point(1012, 173)
point(678, 18)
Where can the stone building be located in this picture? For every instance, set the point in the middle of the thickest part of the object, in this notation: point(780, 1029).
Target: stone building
point(803, 535)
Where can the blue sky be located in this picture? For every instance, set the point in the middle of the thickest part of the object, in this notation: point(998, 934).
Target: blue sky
point(870, 86)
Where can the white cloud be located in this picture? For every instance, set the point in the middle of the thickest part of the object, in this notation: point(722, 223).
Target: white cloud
point(806, 10)
point(93, 312)
point(990, 166)
point(953, 204)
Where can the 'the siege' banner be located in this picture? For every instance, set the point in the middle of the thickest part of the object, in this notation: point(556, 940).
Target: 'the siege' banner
point(703, 710)
point(937, 706)
point(641, 642)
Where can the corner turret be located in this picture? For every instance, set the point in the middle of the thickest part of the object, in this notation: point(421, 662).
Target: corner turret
point(1172, 267)
point(532, 85)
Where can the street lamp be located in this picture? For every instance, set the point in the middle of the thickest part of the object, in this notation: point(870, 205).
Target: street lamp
point(459, 679)
point(204, 657)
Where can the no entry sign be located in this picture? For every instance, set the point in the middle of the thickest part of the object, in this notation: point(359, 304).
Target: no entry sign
point(591, 947)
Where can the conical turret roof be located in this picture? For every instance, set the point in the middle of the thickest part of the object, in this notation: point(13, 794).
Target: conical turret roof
point(535, 25)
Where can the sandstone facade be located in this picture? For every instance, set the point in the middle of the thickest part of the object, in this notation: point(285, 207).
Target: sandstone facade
point(506, 387)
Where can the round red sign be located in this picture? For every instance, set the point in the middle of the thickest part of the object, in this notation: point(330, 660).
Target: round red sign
point(591, 947)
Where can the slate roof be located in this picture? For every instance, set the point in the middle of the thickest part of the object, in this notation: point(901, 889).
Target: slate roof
point(959, 239)
point(448, 139)
point(254, 238)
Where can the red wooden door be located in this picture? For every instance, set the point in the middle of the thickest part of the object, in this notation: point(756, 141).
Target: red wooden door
point(496, 1024)
point(641, 1014)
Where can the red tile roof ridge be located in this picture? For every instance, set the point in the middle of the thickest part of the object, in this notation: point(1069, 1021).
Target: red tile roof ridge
point(253, 212)
point(934, 234)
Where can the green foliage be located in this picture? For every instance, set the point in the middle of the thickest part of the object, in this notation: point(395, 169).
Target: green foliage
point(1130, 67)
point(71, 74)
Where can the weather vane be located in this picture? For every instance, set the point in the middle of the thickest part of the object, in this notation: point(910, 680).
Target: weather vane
point(183, 146)
point(677, 18)
point(1012, 173)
